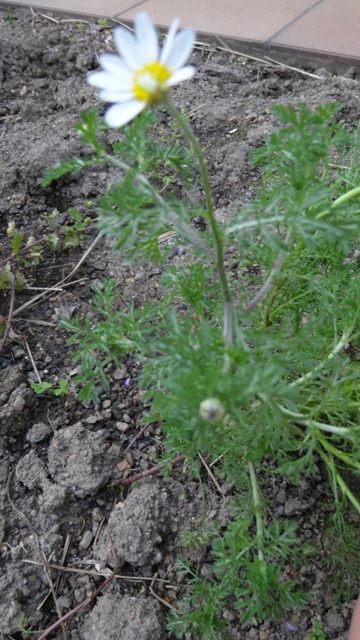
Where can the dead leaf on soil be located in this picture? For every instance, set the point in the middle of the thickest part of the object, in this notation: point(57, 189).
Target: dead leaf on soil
point(64, 310)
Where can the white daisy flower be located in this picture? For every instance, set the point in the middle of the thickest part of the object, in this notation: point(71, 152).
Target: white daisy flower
point(142, 75)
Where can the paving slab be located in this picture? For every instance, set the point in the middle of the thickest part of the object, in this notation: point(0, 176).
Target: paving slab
point(256, 20)
point(331, 28)
point(296, 31)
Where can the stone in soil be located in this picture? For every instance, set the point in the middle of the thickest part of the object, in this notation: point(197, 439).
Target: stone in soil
point(82, 460)
point(119, 617)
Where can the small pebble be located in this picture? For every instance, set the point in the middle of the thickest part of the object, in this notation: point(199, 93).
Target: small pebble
point(64, 602)
point(86, 540)
point(92, 419)
point(38, 432)
point(122, 426)
point(119, 374)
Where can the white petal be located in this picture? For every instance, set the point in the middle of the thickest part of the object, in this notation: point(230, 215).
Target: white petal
point(120, 114)
point(104, 80)
point(115, 96)
point(99, 79)
point(128, 46)
point(169, 41)
point(116, 66)
point(185, 73)
point(180, 49)
point(147, 36)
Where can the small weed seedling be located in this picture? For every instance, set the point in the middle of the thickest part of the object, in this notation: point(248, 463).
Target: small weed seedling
point(43, 387)
point(317, 632)
point(103, 23)
point(25, 629)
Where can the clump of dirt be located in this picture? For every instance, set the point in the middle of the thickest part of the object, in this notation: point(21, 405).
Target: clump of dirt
point(58, 455)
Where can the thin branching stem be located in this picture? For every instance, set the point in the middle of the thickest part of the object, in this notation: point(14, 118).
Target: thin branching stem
point(349, 195)
point(217, 235)
point(339, 479)
point(334, 451)
point(258, 515)
point(339, 346)
point(271, 280)
point(190, 233)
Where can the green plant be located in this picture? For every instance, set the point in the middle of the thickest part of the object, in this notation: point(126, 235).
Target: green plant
point(65, 235)
point(228, 367)
point(42, 387)
point(103, 23)
point(343, 556)
point(317, 632)
point(10, 17)
point(25, 628)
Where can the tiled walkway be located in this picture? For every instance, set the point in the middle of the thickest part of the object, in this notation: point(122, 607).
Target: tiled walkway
point(327, 30)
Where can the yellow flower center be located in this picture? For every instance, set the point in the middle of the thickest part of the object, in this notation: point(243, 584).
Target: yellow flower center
point(150, 83)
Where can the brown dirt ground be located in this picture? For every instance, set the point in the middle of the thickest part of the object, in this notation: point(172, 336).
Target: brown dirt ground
point(57, 454)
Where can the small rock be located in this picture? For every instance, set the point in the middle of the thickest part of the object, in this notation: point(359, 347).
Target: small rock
point(64, 602)
point(119, 374)
point(122, 426)
point(334, 622)
point(294, 506)
point(350, 72)
point(97, 515)
point(207, 571)
point(86, 540)
point(38, 432)
point(33, 376)
point(128, 618)
point(18, 353)
point(81, 460)
point(92, 419)
point(281, 496)
point(137, 526)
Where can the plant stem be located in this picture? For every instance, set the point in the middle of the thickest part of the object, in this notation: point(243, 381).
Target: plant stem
point(339, 479)
point(258, 515)
point(335, 452)
point(219, 243)
point(302, 419)
point(269, 283)
point(190, 233)
point(340, 345)
point(349, 195)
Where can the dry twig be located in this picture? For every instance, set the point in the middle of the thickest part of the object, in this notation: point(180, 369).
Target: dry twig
point(44, 562)
point(149, 472)
point(211, 475)
point(83, 604)
point(10, 314)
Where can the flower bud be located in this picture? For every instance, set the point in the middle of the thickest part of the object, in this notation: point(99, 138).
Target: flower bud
point(212, 409)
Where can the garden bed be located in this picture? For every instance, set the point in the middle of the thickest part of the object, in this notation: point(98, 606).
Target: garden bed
point(59, 455)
